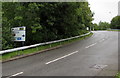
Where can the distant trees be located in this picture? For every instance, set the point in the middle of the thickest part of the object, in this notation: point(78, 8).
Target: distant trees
point(45, 21)
point(115, 23)
point(104, 25)
point(101, 26)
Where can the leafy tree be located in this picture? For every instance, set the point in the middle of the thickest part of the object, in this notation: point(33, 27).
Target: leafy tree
point(115, 23)
point(45, 21)
point(103, 25)
point(95, 26)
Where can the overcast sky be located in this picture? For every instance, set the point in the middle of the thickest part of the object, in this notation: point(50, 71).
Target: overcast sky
point(104, 10)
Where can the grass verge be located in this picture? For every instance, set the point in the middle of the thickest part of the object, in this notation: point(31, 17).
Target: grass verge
point(39, 48)
point(114, 30)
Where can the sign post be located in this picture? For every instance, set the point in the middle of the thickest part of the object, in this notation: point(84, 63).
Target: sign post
point(19, 34)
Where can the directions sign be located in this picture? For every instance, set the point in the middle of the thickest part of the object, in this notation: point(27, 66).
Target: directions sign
point(19, 33)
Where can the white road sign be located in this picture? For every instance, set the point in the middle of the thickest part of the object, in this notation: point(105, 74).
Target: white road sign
point(87, 28)
point(19, 33)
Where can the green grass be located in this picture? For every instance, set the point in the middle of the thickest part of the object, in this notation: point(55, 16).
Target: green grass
point(114, 30)
point(39, 48)
point(118, 75)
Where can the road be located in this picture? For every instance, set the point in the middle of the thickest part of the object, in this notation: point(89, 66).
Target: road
point(94, 56)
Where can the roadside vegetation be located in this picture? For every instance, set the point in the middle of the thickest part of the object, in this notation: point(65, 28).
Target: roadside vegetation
point(44, 21)
point(40, 48)
point(115, 23)
point(118, 30)
point(101, 26)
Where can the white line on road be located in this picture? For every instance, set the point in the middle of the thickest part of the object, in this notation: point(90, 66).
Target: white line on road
point(91, 45)
point(61, 57)
point(101, 40)
point(15, 74)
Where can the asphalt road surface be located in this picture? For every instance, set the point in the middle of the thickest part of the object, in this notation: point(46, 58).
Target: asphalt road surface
point(94, 56)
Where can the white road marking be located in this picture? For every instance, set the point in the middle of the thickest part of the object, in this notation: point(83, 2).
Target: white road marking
point(61, 57)
point(101, 40)
point(17, 74)
point(99, 66)
point(94, 43)
point(91, 45)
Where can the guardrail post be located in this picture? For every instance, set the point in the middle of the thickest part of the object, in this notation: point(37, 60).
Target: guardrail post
point(68, 41)
point(60, 43)
point(37, 49)
point(18, 53)
point(50, 46)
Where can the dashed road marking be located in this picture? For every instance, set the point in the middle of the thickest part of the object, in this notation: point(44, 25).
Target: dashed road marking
point(61, 57)
point(15, 75)
point(102, 40)
point(94, 43)
point(91, 45)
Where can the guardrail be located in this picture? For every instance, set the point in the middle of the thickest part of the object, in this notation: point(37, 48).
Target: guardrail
point(35, 45)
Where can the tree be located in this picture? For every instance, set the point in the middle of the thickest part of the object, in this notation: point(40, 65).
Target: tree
point(95, 26)
point(115, 23)
point(45, 21)
point(103, 25)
